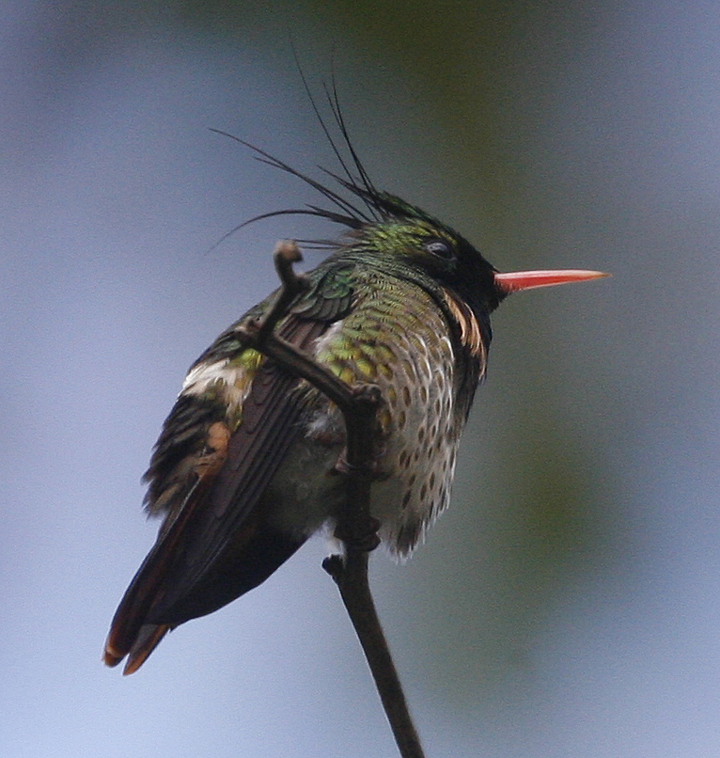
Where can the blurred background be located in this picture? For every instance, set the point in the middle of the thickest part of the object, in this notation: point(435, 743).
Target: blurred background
point(567, 604)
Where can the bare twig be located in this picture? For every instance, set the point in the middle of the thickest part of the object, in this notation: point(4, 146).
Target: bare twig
point(356, 527)
point(351, 576)
point(285, 254)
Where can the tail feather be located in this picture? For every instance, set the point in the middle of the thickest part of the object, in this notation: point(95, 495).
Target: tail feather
point(129, 629)
point(129, 634)
point(147, 640)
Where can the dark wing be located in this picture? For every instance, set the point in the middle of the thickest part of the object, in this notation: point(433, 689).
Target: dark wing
point(214, 544)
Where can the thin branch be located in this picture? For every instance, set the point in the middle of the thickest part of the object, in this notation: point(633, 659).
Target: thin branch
point(351, 577)
point(355, 527)
point(286, 253)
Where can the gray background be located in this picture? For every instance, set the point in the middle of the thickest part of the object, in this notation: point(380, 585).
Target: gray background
point(567, 604)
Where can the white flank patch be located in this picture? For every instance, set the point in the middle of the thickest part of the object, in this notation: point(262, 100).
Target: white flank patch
point(205, 374)
point(233, 379)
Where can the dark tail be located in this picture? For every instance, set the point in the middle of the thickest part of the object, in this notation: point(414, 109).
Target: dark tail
point(147, 640)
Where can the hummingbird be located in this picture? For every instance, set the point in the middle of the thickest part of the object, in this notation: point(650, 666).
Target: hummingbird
point(245, 468)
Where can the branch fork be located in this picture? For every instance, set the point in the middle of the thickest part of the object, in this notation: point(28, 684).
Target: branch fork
point(356, 527)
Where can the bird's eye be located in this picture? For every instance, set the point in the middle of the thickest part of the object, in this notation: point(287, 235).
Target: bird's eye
point(440, 248)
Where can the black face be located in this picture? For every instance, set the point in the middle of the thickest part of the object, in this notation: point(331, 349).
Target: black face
point(418, 241)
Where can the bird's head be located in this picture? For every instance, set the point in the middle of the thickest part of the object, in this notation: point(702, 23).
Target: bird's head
point(381, 224)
